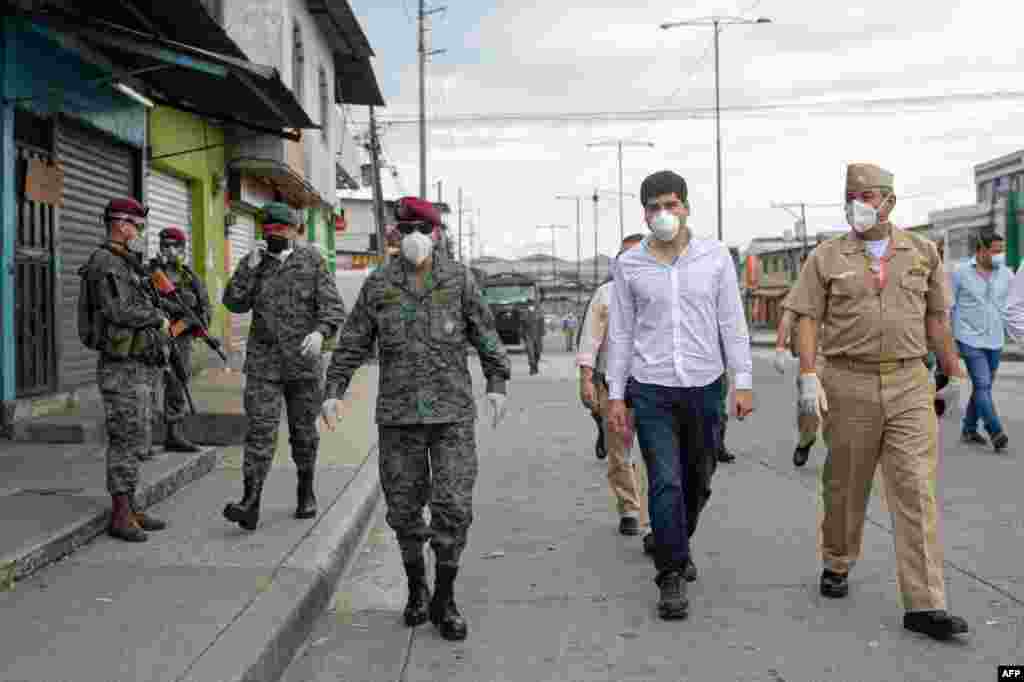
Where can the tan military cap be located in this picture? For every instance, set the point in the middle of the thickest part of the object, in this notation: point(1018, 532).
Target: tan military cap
point(863, 176)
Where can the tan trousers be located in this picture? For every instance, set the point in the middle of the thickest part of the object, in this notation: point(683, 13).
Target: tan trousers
point(627, 476)
point(885, 419)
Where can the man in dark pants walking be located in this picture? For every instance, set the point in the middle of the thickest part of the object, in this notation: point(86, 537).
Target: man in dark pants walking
point(424, 309)
point(676, 297)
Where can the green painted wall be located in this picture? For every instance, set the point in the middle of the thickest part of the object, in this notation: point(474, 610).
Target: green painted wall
point(172, 131)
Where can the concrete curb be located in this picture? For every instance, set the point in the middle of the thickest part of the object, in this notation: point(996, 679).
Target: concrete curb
point(79, 533)
point(277, 622)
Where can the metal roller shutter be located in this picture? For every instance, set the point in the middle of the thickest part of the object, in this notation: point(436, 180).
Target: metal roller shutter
point(241, 235)
point(95, 169)
point(170, 205)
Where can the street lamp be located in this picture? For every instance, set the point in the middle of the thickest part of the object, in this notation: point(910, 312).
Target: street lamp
point(717, 21)
point(554, 263)
point(620, 144)
point(577, 199)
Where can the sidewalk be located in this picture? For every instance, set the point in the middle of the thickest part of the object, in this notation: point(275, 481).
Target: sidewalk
point(202, 600)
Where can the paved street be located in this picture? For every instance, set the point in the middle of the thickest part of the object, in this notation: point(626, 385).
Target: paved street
point(553, 593)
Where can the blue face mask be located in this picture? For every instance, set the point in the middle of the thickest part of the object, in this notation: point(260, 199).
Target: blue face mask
point(999, 260)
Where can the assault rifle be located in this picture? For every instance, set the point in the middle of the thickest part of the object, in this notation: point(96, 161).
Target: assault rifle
point(190, 322)
point(164, 351)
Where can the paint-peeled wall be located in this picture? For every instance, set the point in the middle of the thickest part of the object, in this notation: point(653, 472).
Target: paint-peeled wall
point(202, 164)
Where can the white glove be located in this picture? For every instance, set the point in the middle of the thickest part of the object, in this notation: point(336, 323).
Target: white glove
point(808, 403)
point(951, 394)
point(497, 403)
point(256, 255)
point(781, 360)
point(329, 412)
point(312, 344)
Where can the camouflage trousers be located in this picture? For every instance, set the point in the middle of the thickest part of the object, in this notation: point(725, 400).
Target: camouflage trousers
point(433, 464)
point(532, 349)
point(129, 389)
point(174, 395)
point(263, 402)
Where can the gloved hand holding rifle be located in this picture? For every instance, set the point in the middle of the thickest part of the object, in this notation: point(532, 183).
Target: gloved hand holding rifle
point(187, 321)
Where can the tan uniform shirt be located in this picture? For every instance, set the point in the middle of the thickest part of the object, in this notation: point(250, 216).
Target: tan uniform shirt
point(861, 321)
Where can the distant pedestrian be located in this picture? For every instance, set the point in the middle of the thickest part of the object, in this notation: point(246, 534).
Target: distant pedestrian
point(880, 397)
point(569, 330)
point(676, 306)
point(626, 479)
point(980, 291)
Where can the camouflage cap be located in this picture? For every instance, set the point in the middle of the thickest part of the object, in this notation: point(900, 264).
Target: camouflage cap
point(864, 176)
point(278, 213)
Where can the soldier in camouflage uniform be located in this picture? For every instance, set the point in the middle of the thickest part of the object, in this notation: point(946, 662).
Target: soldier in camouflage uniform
point(295, 306)
point(128, 370)
point(531, 329)
point(423, 309)
point(171, 261)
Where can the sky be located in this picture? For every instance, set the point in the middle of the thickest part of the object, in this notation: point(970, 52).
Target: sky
point(562, 61)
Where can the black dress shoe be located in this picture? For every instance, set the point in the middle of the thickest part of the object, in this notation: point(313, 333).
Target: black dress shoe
point(673, 603)
point(1000, 441)
point(628, 525)
point(726, 456)
point(935, 624)
point(834, 585)
point(973, 438)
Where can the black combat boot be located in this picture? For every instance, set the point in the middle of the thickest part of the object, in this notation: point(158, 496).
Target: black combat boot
point(673, 603)
point(123, 525)
point(176, 441)
point(834, 585)
point(419, 594)
point(247, 512)
point(936, 624)
point(443, 612)
point(306, 508)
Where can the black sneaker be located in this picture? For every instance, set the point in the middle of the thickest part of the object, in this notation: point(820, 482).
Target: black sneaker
point(599, 450)
point(800, 455)
point(628, 525)
point(1000, 441)
point(690, 571)
point(973, 438)
point(935, 624)
point(726, 456)
point(834, 585)
point(672, 603)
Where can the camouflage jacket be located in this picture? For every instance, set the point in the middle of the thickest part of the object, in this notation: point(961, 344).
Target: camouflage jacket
point(288, 301)
point(190, 286)
point(423, 339)
point(120, 297)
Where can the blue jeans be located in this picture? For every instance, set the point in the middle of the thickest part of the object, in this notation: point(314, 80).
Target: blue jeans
point(982, 364)
point(679, 433)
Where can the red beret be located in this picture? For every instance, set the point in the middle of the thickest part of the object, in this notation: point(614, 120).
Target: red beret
point(175, 234)
point(125, 207)
point(414, 209)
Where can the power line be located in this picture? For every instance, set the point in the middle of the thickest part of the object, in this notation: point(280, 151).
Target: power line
point(697, 113)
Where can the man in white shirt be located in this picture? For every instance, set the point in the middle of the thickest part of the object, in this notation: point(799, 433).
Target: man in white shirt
point(624, 478)
point(676, 306)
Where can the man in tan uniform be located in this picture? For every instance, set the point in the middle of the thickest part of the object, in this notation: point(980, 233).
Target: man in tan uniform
point(880, 296)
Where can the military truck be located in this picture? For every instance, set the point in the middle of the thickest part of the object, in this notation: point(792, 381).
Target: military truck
point(511, 297)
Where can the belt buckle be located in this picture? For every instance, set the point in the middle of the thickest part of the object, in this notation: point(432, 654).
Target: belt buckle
point(889, 367)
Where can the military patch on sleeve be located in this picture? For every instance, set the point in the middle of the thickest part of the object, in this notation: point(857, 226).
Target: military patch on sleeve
point(391, 296)
point(408, 312)
point(442, 296)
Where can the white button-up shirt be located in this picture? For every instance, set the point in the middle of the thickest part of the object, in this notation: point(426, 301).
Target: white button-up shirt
point(669, 324)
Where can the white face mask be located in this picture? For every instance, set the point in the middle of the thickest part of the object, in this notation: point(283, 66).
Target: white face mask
point(664, 226)
point(416, 247)
point(861, 216)
point(137, 245)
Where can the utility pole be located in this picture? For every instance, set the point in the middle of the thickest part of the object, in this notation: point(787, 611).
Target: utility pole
point(595, 239)
point(554, 263)
point(423, 14)
point(460, 226)
point(716, 23)
point(579, 257)
point(802, 205)
point(439, 199)
point(619, 144)
point(378, 196)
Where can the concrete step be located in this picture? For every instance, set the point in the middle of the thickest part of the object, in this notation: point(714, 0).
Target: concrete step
point(203, 428)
